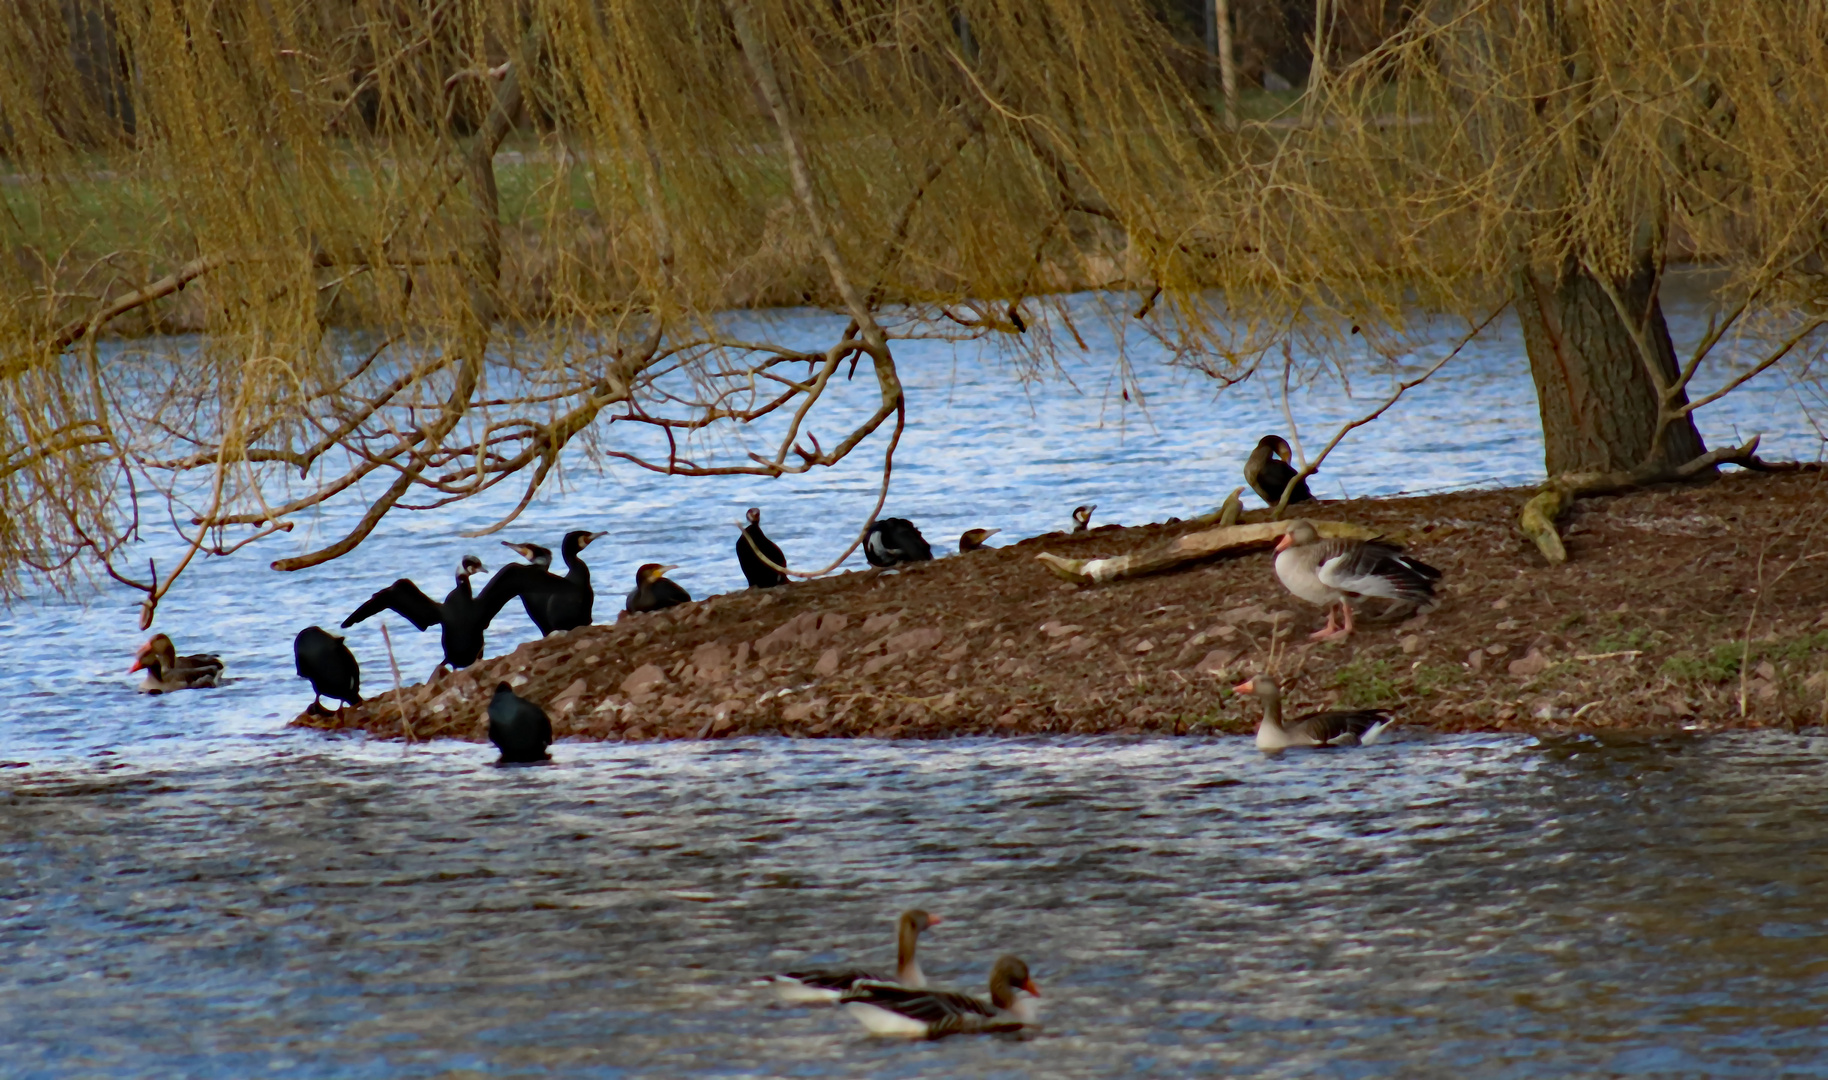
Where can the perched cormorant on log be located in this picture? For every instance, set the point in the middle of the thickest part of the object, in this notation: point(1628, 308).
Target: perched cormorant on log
point(520, 729)
point(552, 602)
point(1082, 517)
point(760, 574)
point(462, 616)
point(1268, 471)
point(893, 541)
point(167, 671)
point(973, 539)
point(653, 591)
point(322, 658)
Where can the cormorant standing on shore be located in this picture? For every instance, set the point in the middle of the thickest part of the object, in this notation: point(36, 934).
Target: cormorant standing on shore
point(1269, 470)
point(654, 592)
point(1082, 517)
point(552, 602)
point(973, 539)
point(461, 615)
point(893, 541)
point(759, 573)
point(520, 729)
point(322, 658)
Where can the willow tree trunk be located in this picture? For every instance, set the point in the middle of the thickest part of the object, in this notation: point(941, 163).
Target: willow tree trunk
point(1598, 403)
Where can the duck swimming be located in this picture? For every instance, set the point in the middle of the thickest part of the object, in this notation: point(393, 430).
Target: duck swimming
point(934, 1014)
point(827, 985)
point(167, 671)
point(1353, 727)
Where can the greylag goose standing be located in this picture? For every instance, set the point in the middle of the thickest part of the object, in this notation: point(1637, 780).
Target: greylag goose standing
point(973, 539)
point(1331, 572)
point(893, 541)
point(1269, 469)
point(1351, 727)
point(520, 729)
point(826, 985)
point(653, 591)
point(167, 671)
point(754, 553)
point(461, 616)
point(933, 1014)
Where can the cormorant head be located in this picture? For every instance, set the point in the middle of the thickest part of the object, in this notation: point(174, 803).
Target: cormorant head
point(533, 553)
point(754, 515)
point(1278, 446)
point(1300, 533)
point(472, 564)
point(1082, 517)
point(578, 539)
point(503, 688)
point(1261, 687)
point(974, 538)
point(651, 572)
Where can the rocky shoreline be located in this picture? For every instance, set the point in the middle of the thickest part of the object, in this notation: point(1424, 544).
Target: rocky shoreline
point(1693, 606)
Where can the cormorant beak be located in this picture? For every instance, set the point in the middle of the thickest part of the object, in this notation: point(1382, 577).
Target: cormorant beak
point(1287, 541)
point(1248, 686)
point(988, 533)
point(1029, 985)
point(590, 538)
point(518, 549)
point(662, 571)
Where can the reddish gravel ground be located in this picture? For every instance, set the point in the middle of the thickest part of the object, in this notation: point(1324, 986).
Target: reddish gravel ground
point(1697, 606)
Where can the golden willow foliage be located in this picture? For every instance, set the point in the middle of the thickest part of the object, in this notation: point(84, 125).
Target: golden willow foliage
point(429, 245)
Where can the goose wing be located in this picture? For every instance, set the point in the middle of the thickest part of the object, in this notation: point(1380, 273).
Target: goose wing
point(1375, 568)
point(405, 598)
point(837, 980)
point(942, 1011)
point(1342, 728)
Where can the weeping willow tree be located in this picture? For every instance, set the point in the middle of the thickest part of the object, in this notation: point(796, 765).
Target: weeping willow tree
point(427, 247)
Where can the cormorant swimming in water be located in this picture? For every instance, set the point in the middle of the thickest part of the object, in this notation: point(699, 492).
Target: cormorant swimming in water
point(518, 728)
point(552, 602)
point(759, 573)
point(973, 539)
point(893, 541)
point(654, 592)
point(1268, 471)
point(167, 671)
point(461, 615)
point(323, 658)
point(1082, 517)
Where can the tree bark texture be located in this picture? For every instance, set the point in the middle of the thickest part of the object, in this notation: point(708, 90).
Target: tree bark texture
point(1597, 400)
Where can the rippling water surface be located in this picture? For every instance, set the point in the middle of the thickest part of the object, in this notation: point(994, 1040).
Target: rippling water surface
point(187, 888)
point(1446, 907)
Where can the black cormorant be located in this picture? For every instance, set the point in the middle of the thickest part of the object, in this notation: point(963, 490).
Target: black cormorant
point(552, 602)
point(1268, 471)
point(653, 591)
point(973, 539)
point(518, 728)
point(893, 541)
point(760, 574)
point(323, 658)
point(1082, 517)
point(461, 615)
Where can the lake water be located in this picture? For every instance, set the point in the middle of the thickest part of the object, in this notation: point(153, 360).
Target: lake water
point(189, 888)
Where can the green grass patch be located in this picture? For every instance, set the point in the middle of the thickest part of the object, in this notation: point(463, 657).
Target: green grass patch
point(1431, 677)
point(1364, 683)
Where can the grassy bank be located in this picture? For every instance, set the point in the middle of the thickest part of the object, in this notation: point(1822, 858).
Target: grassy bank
point(1700, 606)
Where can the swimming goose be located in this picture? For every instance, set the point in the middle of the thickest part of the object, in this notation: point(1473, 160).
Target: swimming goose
point(973, 539)
point(1268, 471)
point(518, 728)
point(167, 671)
point(1354, 727)
point(321, 657)
point(893, 541)
point(754, 553)
point(827, 985)
point(1331, 572)
point(934, 1014)
point(1082, 517)
point(462, 617)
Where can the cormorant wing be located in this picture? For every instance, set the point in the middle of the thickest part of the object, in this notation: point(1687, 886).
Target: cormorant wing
point(509, 582)
point(405, 598)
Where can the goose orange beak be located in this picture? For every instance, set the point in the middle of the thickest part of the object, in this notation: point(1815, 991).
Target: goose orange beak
point(1285, 543)
point(1032, 988)
point(139, 658)
point(1248, 686)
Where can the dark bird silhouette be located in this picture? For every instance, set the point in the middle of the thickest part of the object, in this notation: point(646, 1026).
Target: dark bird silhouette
point(167, 671)
point(654, 592)
point(973, 539)
point(893, 541)
point(1082, 517)
point(461, 615)
point(518, 728)
point(552, 602)
point(1268, 471)
point(322, 658)
point(759, 573)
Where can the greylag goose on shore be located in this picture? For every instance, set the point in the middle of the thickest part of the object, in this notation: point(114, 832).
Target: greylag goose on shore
point(824, 986)
point(1332, 572)
point(934, 1014)
point(167, 671)
point(1268, 470)
point(1352, 727)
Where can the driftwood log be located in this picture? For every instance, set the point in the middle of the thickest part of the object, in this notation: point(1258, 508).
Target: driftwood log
point(1203, 546)
point(1545, 509)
